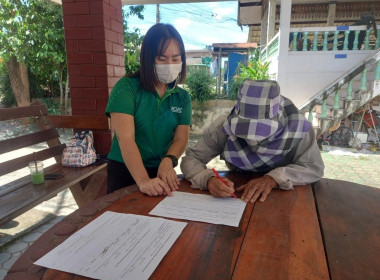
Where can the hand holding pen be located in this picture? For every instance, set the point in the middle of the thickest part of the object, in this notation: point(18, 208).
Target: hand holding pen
point(217, 189)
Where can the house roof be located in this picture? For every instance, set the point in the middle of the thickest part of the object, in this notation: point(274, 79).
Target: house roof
point(226, 48)
point(233, 46)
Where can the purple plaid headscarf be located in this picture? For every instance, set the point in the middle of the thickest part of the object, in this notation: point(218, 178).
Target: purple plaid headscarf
point(263, 126)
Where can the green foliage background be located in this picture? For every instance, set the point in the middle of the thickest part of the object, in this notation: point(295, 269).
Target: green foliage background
point(255, 70)
point(32, 31)
point(132, 41)
point(200, 86)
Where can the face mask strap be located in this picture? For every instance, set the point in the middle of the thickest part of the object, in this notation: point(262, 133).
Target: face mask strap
point(174, 86)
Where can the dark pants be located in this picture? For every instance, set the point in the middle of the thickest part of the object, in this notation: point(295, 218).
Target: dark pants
point(119, 176)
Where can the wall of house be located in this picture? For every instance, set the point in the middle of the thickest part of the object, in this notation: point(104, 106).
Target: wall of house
point(273, 66)
point(309, 72)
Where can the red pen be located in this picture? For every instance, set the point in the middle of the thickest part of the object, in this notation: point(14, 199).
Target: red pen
point(221, 179)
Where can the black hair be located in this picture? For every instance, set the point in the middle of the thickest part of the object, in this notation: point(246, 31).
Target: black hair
point(155, 43)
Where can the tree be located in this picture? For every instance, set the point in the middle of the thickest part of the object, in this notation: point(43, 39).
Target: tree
point(27, 44)
point(32, 44)
point(48, 61)
point(12, 37)
point(132, 40)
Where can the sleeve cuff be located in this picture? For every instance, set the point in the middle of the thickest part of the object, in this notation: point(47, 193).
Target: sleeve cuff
point(283, 182)
point(201, 179)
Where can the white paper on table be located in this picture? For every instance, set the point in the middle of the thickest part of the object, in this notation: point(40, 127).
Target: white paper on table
point(201, 207)
point(115, 246)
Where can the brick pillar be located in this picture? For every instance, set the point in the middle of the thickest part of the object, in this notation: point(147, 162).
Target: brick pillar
point(95, 55)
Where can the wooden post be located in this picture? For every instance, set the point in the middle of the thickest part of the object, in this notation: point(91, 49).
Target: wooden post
point(271, 19)
point(219, 71)
point(331, 14)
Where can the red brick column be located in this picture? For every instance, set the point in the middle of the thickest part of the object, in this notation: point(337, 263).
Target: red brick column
point(95, 55)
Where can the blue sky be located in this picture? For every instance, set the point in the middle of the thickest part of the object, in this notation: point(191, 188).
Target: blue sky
point(199, 24)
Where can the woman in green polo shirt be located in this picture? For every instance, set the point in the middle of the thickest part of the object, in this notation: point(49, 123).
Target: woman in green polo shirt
point(150, 116)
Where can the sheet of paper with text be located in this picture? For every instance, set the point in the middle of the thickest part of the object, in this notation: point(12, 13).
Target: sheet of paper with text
point(115, 246)
point(202, 208)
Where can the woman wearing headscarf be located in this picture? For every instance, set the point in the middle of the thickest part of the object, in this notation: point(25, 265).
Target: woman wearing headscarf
point(264, 133)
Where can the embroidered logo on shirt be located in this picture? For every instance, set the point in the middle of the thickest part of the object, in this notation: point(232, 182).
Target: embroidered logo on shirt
point(177, 110)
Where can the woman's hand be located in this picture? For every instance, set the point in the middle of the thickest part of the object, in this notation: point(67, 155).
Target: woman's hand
point(257, 188)
point(155, 187)
point(218, 189)
point(167, 174)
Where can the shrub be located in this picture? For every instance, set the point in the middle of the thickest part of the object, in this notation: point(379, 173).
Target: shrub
point(199, 84)
point(255, 70)
point(131, 62)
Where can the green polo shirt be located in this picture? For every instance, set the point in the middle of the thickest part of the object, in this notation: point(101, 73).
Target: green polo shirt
point(156, 119)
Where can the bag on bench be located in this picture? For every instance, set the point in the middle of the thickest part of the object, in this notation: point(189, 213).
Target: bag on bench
point(79, 150)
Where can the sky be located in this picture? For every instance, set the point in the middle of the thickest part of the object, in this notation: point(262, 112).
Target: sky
point(200, 24)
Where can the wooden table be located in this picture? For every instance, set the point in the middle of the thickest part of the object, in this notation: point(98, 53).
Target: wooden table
point(328, 231)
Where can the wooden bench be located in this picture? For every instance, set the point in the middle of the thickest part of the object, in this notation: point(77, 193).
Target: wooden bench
point(20, 195)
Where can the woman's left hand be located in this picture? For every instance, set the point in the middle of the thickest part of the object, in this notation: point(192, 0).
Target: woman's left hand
point(257, 188)
point(167, 174)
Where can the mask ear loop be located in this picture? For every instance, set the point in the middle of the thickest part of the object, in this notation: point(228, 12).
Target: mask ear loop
point(175, 83)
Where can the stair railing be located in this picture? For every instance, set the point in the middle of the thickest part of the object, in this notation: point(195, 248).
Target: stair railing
point(333, 38)
point(352, 100)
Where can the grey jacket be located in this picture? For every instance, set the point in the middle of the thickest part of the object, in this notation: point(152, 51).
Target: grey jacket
point(307, 166)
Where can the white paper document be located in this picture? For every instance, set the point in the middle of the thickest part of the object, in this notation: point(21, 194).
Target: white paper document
point(202, 208)
point(115, 246)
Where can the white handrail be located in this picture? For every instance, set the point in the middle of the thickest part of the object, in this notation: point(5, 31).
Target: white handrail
point(330, 28)
point(271, 41)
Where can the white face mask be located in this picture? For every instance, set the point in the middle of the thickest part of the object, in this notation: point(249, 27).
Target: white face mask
point(167, 73)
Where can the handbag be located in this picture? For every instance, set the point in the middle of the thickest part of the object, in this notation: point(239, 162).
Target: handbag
point(79, 150)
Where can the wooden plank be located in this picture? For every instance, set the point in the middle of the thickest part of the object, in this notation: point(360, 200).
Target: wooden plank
point(283, 240)
point(79, 121)
point(23, 161)
point(350, 221)
point(14, 203)
point(202, 251)
point(20, 195)
point(36, 109)
point(90, 189)
point(28, 140)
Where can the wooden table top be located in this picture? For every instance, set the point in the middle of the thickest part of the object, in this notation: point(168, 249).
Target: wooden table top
point(328, 231)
